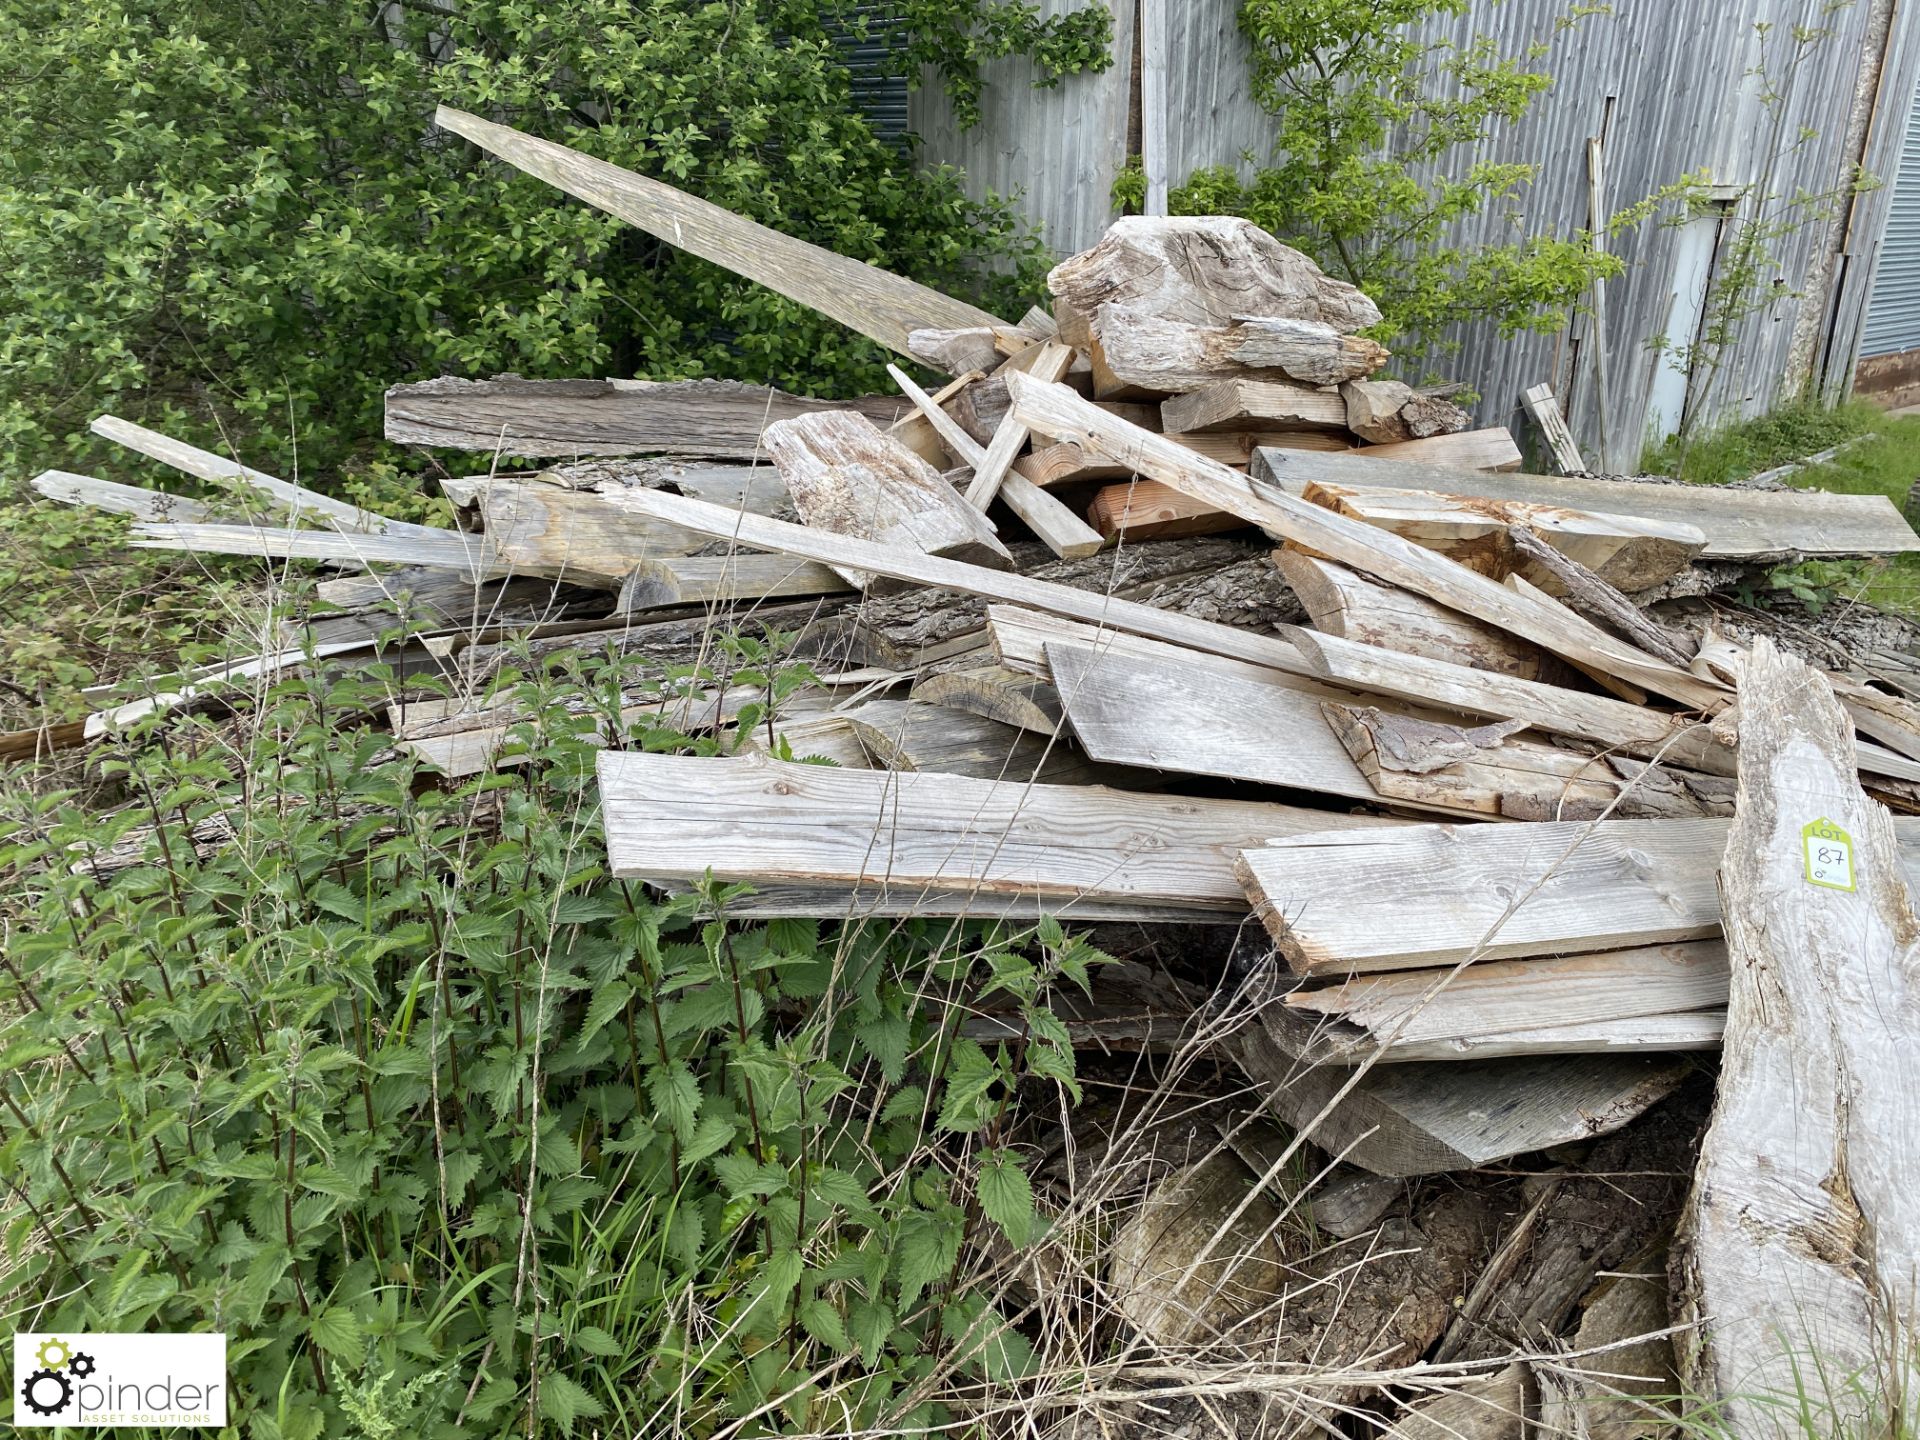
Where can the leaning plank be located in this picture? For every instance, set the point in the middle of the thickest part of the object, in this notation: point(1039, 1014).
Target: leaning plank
point(676, 817)
point(71, 489)
point(551, 419)
point(1429, 1119)
point(884, 307)
point(1739, 524)
point(1242, 404)
point(1352, 607)
point(1552, 422)
point(469, 556)
point(997, 693)
point(1056, 410)
point(1571, 886)
point(548, 530)
point(1800, 1245)
point(1011, 436)
point(706, 579)
point(218, 470)
point(848, 478)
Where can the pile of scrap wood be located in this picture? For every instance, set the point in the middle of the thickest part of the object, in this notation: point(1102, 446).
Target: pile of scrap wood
point(1165, 611)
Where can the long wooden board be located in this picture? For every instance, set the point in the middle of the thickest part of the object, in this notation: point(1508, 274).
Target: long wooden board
point(1432, 895)
point(672, 817)
point(554, 419)
point(469, 555)
point(885, 308)
point(1739, 524)
point(1057, 410)
point(71, 489)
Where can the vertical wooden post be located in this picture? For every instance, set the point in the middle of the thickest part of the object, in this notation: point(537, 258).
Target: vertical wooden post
point(1597, 330)
point(1153, 102)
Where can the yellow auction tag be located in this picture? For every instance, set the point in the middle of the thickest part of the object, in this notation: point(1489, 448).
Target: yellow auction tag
point(1829, 851)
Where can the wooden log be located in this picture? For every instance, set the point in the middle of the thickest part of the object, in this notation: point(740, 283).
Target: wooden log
point(705, 579)
point(885, 308)
point(1387, 412)
point(1623, 550)
point(1487, 770)
point(577, 534)
point(1800, 1243)
point(1253, 405)
point(1546, 414)
point(1738, 524)
point(552, 419)
point(1571, 886)
point(848, 478)
point(1352, 607)
point(1058, 411)
point(676, 817)
point(997, 693)
point(71, 489)
point(1136, 354)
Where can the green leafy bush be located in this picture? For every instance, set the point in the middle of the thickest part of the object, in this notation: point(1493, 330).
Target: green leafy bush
point(454, 1134)
point(1367, 111)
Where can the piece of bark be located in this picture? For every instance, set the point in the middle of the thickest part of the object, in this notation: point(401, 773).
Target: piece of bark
point(847, 477)
point(1625, 1392)
point(1593, 596)
point(1800, 1244)
point(1343, 603)
point(1387, 412)
point(1206, 270)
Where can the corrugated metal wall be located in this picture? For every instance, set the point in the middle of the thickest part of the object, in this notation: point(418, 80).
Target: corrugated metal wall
point(1671, 86)
point(1893, 315)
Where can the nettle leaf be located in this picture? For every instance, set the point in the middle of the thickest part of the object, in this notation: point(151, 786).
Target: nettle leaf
point(566, 1401)
point(886, 1040)
point(712, 1135)
point(871, 1325)
point(676, 1097)
point(607, 1003)
point(338, 1331)
point(1006, 1195)
point(820, 1319)
point(742, 1175)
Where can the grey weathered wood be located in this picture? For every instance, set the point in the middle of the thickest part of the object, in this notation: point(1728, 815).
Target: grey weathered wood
point(468, 555)
point(1739, 524)
point(1388, 412)
point(551, 419)
point(849, 478)
point(1571, 886)
point(956, 351)
point(884, 307)
point(297, 500)
point(878, 899)
point(1546, 414)
point(1337, 1044)
point(911, 735)
point(1799, 1250)
point(1155, 60)
point(1482, 1407)
point(1590, 593)
point(71, 489)
point(1241, 404)
point(1349, 606)
point(1011, 436)
point(1056, 410)
point(703, 579)
point(997, 693)
point(676, 817)
point(1426, 1119)
point(1136, 354)
point(577, 534)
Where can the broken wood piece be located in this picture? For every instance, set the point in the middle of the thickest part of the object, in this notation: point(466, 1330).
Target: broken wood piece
point(1546, 414)
point(1058, 411)
point(956, 351)
point(71, 489)
point(1241, 404)
point(1800, 1241)
point(1148, 510)
point(997, 693)
point(1352, 607)
point(848, 478)
point(1008, 440)
point(911, 735)
point(468, 555)
point(711, 579)
point(1138, 355)
point(1627, 552)
point(557, 419)
point(1481, 1407)
point(577, 534)
point(1739, 524)
point(885, 308)
point(677, 817)
point(1593, 595)
point(1387, 412)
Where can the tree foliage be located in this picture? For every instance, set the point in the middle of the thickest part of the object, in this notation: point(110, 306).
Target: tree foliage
point(1369, 108)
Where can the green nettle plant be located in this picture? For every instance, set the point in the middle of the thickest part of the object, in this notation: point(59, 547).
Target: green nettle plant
point(1367, 111)
point(453, 1134)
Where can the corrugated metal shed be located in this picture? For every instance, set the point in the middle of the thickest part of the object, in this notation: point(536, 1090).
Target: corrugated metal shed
point(1893, 315)
point(1669, 86)
point(879, 89)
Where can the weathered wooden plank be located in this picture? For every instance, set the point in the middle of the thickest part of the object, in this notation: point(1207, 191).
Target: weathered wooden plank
point(1799, 1249)
point(704, 579)
point(911, 735)
point(1485, 450)
point(578, 534)
point(1058, 411)
point(1064, 462)
point(1351, 607)
point(997, 693)
point(880, 900)
point(849, 478)
point(556, 419)
point(1138, 355)
point(468, 555)
point(1571, 886)
point(1242, 404)
point(1546, 414)
point(1148, 510)
point(1011, 436)
point(884, 307)
point(676, 817)
point(1738, 524)
point(71, 489)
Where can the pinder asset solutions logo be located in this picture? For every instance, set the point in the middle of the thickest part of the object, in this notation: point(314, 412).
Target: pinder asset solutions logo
point(106, 1379)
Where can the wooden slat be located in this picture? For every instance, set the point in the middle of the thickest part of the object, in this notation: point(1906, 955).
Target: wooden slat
point(470, 556)
point(705, 579)
point(676, 817)
point(1058, 411)
point(1337, 1044)
point(1739, 524)
point(1546, 414)
point(1798, 1249)
point(886, 308)
point(71, 489)
point(1011, 436)
point(880, 900)
point(1605, 886)
point(556, 419)
point(1488, 450)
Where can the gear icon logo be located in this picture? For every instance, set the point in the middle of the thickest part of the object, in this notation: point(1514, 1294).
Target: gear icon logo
point(47, 1392)
point(53, 1353)
point(82, 1365)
